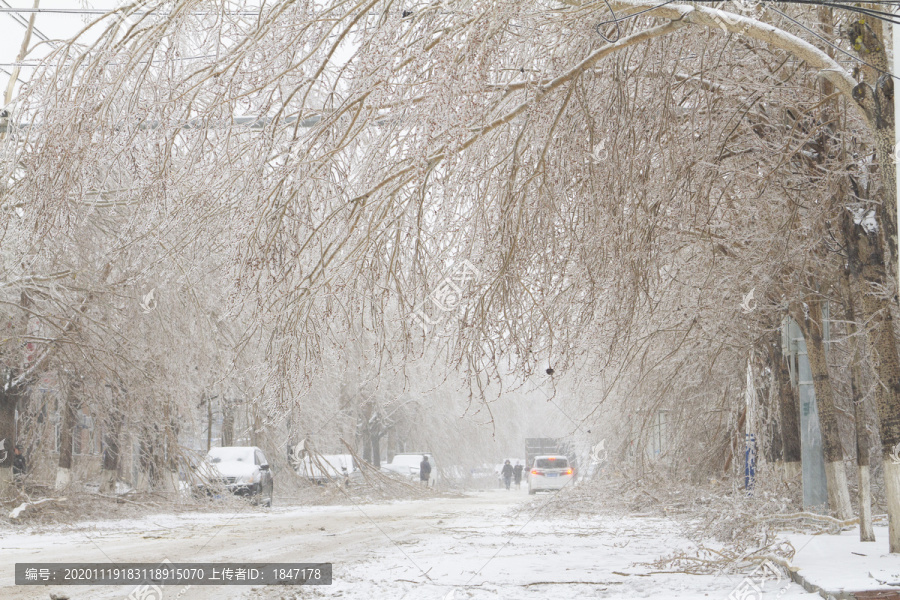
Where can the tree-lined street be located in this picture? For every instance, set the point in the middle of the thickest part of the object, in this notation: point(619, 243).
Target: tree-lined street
point(290, 249)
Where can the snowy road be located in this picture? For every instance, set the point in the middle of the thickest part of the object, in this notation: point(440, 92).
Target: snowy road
point(480, 546)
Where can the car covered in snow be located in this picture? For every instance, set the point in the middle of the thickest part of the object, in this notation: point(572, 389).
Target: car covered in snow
point(242, 470)
point(550, 472)
point(407, 465)
point(324, 468)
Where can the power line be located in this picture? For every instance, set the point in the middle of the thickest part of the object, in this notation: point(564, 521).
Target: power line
point(834, 46)
point(100, 11)
point(37, 63)
point(24, 23)
point(200, 123)
point(836, 4)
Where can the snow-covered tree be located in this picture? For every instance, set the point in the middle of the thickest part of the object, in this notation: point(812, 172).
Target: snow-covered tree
point(607, 182)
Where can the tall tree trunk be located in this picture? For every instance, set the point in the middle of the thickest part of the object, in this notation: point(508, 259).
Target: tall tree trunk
point(209, 421)
point(367, 448)
point(835, 473)
point(66, 432)
point(256, 431)
point(875, 93)
point(864, 493)
point(8, 400)
point(170, 480)
point(772, 450)
point(866, 265)
point(110, 466)
point(771, 443)
point(789, 413)
point(375, 428)
point(147, 461)
point(376, 451)
point(391, 444)
point(227, 425)
point(10, 394)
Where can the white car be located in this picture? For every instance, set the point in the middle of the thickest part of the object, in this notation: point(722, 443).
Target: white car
point(324, 468)
point(407, 464)
point(242, 470)
point(550, 472)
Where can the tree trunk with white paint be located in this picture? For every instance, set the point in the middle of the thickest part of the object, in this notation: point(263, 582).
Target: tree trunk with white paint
point(864, 493)
point(867, 271)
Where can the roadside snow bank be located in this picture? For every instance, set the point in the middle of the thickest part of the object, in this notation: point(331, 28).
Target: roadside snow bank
point(839, 563)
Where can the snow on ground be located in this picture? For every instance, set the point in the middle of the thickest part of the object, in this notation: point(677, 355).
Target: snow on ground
point(488, 545)
point(148, 527)
point(841, 562)
point(486, 553)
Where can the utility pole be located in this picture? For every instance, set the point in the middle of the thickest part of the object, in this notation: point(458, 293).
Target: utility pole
point(895, 42)
point(815, 492)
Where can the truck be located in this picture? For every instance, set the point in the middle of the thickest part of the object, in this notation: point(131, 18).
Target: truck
point(542, 446)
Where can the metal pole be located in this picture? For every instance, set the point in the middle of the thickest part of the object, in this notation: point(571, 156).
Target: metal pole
point(749, 428)
point(895, 42)
point(815, 492)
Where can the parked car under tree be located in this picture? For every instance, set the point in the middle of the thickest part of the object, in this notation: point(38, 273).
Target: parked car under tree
point(242, 470)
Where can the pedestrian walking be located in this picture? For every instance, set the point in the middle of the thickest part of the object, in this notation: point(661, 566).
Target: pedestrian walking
point(517, 474)
point(425, 471)
point(507, 473)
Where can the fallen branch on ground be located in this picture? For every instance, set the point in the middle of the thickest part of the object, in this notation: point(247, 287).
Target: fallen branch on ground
point(14, 514)
point(572, 583)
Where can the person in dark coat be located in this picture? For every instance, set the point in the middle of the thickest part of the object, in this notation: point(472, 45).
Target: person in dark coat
point(517, 474)
point(507, 473)
point(18, 466)
point(425, 470)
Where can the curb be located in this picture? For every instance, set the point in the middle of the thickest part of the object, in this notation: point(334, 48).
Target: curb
point(812, 588)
